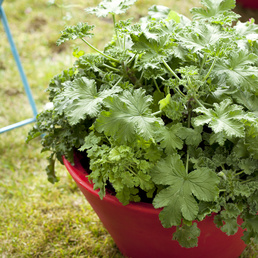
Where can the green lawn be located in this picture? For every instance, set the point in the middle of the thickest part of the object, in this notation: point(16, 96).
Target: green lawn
point(38, 219)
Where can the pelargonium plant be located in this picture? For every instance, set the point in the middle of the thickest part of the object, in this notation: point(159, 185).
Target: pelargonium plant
point(167, 113)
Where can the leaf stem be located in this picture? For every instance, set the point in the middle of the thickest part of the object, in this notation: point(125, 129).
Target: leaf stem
point(239, 173)
point(179, 91)
point(203, 61)
point(139, 80)
point(157, 87)
point(118, 81)
point(173, 73)
point(212, 66)
point(247, 181)
point(112, 68)
point(108, 57)
point(157, 113)
point(188, 125)
point(189, 80)
point(114, 21)
point(170, 70)
point(131, 59)
point(198, 102)
point(136, 59)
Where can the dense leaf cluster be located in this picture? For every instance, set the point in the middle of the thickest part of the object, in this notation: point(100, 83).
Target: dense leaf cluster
point(168, 110)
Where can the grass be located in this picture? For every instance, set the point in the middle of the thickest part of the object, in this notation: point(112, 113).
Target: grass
point(38, 219)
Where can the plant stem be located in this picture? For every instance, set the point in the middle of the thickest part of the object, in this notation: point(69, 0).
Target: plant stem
point(180, 92)
point(170, 70)
point(114, 21)
point(157, 113)
point(108, 57)
point(118, 81)
point(131, 59)
point(136, 59)
point(198, 102)
point(187, 162)
point(112, 68)
point(139, 80)
point(246, 181)
point(188, 125)
point(157, 87)
point(174, 74)
point(239, 173)
point(189, 80)
point(212, 66)
point(209, 105)
point(203, 61)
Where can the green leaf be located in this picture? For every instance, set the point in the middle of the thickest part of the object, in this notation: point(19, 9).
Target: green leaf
point(129, 117)
point(252, 201)
point(90, 141)
point(225, 117)
point(201, 36)
point(174, 16)
point(51, 175)
point(248, 99)
point(191, 136)
point(172, 108)
point(176, 206)
point(153, 46)
point(81, 98)
point(238, 70)
point(216, 10)
point(178, 198)
point(249, 166)
point(127, 195)
point(251, 224)
point(244, 190)
point(168, 138)
point(153, 43)
point(247, 29)
point(158, 12)
point(207, 208)
point(187, 236)
point(81, 30)
point(77, 52)
point(229, 225)
point(110, 7)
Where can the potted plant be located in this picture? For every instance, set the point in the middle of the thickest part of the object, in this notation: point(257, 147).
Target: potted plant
point(165, 121)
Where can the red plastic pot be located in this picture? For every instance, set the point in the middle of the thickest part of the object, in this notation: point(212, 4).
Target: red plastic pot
point(253, 4)
point(138, 233)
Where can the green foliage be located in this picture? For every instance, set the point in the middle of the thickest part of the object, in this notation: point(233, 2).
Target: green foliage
point(80, 98)
point(81, 30)
point(167, 111)
point(217, 11)
point(225, 118)
point(125, 167)
point(131, 114)
point(110, 7)
point(238, 70)
point(187, 236)
point(178, 197)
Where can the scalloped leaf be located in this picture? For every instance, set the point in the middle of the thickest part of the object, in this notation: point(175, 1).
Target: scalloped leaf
point(81, 98)
point(110, 7)
point(128, 117)
point(178, 198)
